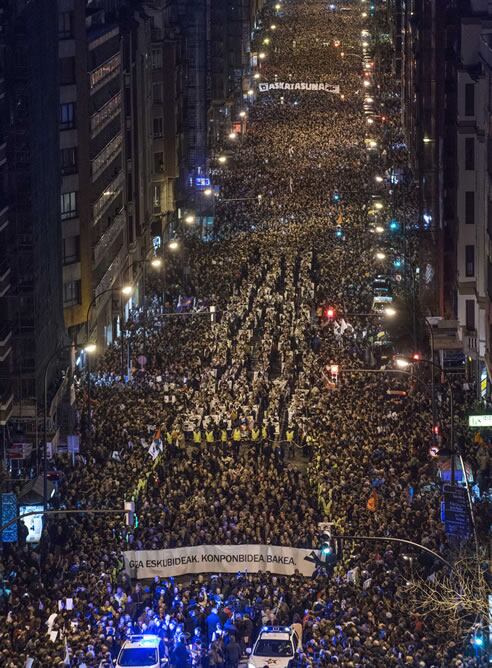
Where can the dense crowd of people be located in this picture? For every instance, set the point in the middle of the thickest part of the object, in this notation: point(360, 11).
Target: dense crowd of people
point(232, 429)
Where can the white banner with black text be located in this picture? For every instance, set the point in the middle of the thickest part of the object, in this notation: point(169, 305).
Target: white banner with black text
point(145, 564)
point(314, 87)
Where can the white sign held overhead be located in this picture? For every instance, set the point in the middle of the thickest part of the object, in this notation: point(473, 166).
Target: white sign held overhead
point(480, 420)
point(313, 87)
point(146, 564)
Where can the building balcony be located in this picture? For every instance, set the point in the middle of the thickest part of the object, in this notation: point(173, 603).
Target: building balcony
point(4, 217)
point(486, 48)
point(3, 152)
point(110, 274)
point(5, 342)
point(106, 114)
point(103, 159)
point(5, 273)
point(109, 237)
point(6, 405)
point(102, 74)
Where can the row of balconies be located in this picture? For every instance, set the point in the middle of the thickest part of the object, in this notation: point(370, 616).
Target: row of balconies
point(109, 237)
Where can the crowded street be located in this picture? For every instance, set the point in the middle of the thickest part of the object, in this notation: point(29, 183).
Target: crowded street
point(277, 411)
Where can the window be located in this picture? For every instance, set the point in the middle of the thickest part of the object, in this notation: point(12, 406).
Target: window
point(68, 160)
point(470, 314)
point(71, 250)
point(67, 71)
point(469, 99)
point(67, 116)
point(158, 162)
point(469, 153)
point(157, 93)
point(65, 23)
point(469, 261)
point(68, 205)
point(469, 207)
point(157, 127)
point(156, 59)
point(71, 293)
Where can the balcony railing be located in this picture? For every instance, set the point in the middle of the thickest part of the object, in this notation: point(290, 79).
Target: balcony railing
point(108, 197)
point(105, 72)
point(102, 159)
point(6, 405)
point(3, 151)
point(4, 277)
point(106, 114)
point(4, 217)
point(5, 342)
point(111, 273)
point(109, 237)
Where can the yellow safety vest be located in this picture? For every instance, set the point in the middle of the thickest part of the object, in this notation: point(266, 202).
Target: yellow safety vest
point(169, 437)
point(264, 432)
point(197, 436)
point(255, 434)
point(209, 436)
point(223, 435)
point(236, 435)
point(289, 435)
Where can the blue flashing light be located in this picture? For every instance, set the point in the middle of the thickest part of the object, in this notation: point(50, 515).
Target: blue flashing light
point(394, 225)
point(478, 641)
point(397, 263)
point(339, 233)
point(336, 196)
point(326, 550)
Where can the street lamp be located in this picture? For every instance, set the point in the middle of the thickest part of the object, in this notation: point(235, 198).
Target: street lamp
point(380, 256)
point(232, 135)
point(173, 244)
point(127, 290)
point(189, 219)
point(208, 192)
point(242, 114)
point(222, 159)
point(262, 55)
point(156, 262)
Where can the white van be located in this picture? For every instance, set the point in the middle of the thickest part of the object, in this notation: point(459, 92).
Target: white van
point(143, 651)
point(275, 646)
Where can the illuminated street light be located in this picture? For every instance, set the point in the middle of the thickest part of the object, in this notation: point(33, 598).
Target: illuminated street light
point(242, 114)
point(379, 229)
point(273, 27)
point(266, 40)
point(380, 256)
point(232, 135)
point(370, 121)
point(156, 262)
point(127, 290)
point(366, 84)
point(173, 244)
point(427, 140)
point(262, 55)
point(402, 362)
point(190, 219)
point(256, 75)
point(390, 312)
point(251, 92)
point(207, 192)
point(365, 44)
point(222, 159)
point(378, 205)
point(278, 6)
point(378, 179)
point(90, 348)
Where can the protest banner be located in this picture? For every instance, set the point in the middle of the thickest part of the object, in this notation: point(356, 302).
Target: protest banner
point(145, 564)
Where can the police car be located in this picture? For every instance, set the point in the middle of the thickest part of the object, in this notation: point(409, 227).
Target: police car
point(275, 646)
point(145, 651)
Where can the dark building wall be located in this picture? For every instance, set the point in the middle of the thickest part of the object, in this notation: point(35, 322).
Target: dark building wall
point(34, 191)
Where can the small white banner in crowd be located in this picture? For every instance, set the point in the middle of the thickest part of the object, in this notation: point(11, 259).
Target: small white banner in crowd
point(146, 564)
point(315, 87)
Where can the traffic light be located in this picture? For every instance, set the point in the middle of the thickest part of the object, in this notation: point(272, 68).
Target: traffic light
point(328, 548)
point(329, 313)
